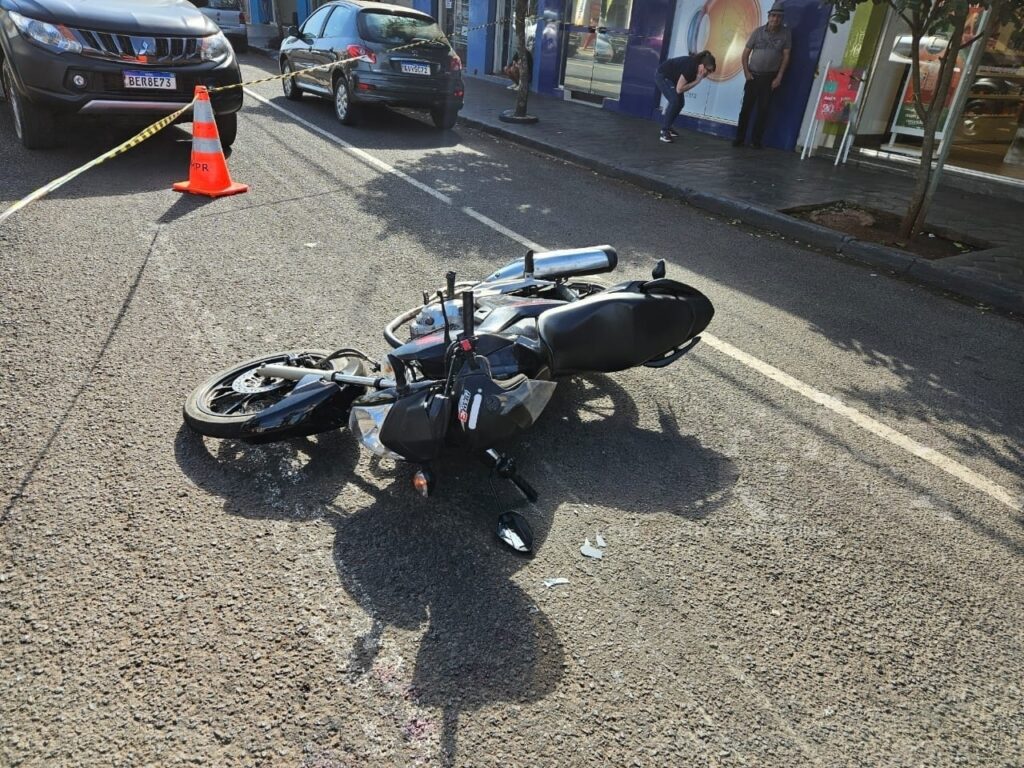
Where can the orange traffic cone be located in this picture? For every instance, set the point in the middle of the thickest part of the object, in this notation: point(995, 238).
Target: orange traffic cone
point(208, 172)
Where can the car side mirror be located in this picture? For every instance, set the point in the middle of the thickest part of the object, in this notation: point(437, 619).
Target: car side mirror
point(293, 31)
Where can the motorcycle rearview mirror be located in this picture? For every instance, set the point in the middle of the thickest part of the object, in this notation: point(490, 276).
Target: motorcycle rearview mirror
point(444, 314)
point(659, 270)
point(515, 533)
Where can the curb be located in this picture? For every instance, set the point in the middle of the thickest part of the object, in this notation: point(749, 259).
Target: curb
point(903, 264)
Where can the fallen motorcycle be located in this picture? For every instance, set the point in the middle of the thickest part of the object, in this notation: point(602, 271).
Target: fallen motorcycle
point(477, 367)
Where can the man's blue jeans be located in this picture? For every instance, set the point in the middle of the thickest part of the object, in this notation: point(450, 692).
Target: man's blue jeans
point(675, 100)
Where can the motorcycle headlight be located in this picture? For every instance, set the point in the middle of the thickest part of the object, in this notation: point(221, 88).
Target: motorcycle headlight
point(214, 47)
point(56, 37)
point(367, 421)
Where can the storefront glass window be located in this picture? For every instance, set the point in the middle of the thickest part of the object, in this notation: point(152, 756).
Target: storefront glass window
point(990, 135)
point(596, 47)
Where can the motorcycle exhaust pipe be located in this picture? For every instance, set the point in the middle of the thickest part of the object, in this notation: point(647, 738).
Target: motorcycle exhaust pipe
point(570, 262)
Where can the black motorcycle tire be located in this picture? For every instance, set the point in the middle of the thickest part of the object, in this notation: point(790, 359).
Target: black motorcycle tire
point(202, 419)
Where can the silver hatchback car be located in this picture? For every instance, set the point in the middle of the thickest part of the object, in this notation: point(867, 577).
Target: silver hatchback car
point(229, 16)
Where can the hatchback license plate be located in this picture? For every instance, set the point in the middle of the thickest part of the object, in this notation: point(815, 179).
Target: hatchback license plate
point(162, 81)
point(414, 68)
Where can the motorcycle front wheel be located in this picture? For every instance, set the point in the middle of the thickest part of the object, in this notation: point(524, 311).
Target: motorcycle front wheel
point(221, 405)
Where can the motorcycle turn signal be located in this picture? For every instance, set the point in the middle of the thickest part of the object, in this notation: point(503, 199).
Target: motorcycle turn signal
point(423, 481)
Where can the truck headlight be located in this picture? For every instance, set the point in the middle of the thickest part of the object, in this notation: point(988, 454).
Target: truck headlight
point(367, 421)
point(56, 37)
point(214, 47)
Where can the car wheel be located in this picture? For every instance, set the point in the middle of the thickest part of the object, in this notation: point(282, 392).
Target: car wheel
point(291, 88)
point(227, 128)
point(444, 117)
point(344, 109)
point(33, 126)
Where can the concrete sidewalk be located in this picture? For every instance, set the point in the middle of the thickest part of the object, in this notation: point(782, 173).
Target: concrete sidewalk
point(755, 185)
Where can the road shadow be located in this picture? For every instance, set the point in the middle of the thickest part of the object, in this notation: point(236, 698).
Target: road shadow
point(410, 562)
point(946, 399)
point(150, 166)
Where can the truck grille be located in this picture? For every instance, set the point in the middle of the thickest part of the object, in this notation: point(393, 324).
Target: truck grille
point(139, 49)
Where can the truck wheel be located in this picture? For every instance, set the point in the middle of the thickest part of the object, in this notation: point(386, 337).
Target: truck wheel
point(33, 125)
point(227, 128)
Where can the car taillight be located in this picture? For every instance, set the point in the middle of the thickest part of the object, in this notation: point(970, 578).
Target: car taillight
point(454, 63)
point(356, 51)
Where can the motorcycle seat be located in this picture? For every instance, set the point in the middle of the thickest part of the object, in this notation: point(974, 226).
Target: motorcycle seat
point(623, 328)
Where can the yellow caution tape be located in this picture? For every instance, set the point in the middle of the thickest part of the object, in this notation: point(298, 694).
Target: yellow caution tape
point(159, 125)
point(120, 149)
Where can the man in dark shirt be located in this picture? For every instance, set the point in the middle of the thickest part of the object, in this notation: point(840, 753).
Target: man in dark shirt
point(765, 59)
point(674, 78)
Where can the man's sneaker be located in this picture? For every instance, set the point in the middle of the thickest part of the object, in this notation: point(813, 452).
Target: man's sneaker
point(665, 136)
point(673, 133)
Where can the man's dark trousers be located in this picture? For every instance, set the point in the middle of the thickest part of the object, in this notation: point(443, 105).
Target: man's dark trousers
point(675, 101)
point(757, 94)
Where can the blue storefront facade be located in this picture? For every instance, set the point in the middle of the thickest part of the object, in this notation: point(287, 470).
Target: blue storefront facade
point(604, 53)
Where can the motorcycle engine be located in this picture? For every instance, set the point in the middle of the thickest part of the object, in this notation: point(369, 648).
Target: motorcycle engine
point(430, 319)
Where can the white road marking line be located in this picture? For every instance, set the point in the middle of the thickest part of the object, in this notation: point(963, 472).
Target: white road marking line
point(890, 435)
point(933, 457)
point(366, 157)
point(380, 165)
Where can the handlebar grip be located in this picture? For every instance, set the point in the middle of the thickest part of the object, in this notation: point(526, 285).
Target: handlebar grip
point(451, 286)
point(467, 313)
point(528, 264)
point(526, 488)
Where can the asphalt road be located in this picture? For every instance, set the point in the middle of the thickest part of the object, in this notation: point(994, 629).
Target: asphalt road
point(781, 585)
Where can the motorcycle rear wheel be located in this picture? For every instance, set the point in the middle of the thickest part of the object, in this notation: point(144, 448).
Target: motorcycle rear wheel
point(222, 404)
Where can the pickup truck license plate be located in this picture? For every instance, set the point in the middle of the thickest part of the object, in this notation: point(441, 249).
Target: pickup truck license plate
point(162, 81)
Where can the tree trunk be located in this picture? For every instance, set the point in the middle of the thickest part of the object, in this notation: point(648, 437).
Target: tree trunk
point(523, 93)
point(920, 200)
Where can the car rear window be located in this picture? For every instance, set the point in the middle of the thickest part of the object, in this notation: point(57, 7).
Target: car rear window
point(223, 5)
point(395, 28)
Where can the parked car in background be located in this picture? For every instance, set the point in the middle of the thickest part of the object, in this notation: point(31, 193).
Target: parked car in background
point(96, 60)
point(229, 16)
point(424, 72)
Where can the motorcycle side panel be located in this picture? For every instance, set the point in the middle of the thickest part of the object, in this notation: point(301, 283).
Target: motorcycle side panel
point(308, 410)
point(623, 328)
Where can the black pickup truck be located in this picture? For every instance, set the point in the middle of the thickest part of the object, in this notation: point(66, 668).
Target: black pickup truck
point(115, 60)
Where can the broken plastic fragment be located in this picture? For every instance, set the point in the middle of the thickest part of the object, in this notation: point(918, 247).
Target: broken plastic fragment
point(601, 542)
point(555, 582)
point(587, 550)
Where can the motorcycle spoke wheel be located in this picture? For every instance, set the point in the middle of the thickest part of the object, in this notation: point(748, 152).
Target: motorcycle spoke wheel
point(224, 402)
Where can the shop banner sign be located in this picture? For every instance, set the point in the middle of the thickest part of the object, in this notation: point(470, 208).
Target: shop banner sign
point(838, 93)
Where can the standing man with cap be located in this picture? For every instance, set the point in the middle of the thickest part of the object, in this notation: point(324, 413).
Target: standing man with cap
point(765, 59)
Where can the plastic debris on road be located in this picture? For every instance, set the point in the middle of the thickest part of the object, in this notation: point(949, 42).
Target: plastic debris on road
point(555, 582)
point(601, 542)
point(588, 550)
